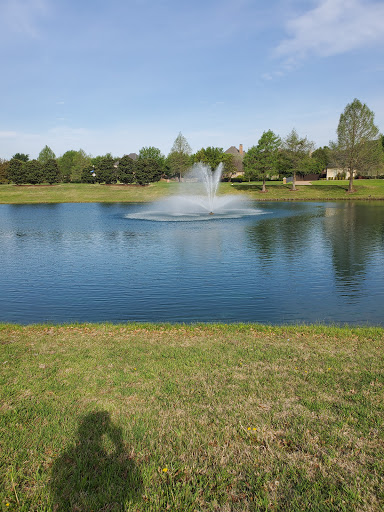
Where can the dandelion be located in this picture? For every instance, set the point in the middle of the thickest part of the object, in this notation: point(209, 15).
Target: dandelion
point(165, 470)
point(254, 428)
point(249, 428)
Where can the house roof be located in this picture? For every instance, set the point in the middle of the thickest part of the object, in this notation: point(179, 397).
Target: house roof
point(232, 150)
point(134, 156)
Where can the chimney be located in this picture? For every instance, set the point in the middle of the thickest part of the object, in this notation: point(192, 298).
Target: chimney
point(241, 149)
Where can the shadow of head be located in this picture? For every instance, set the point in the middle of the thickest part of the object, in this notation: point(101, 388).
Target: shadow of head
point(97, 471)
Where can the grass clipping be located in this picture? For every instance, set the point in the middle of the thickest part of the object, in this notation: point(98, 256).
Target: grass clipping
point(191, 418)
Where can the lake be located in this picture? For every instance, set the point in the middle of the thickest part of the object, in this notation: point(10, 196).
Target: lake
point(295, 262)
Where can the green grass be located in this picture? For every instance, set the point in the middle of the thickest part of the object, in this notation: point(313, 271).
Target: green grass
point(318, 191)
point(191, 418)
point(85, 193)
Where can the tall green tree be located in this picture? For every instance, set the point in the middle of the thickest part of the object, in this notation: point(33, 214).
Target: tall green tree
point(105, 170)
point(16, 171)
point(214, 156)
point(4, 164)
point(46, 154)
point(127, 170)
point(262, 160)
point(152, 153)
point(148, 170)
point(88, 174)
point(21, 156)
point(51, 172)
point(72, 163)
point(296, 150)
point(323, 157)
point(358, 140)
point(34, 172)
point(178, 161)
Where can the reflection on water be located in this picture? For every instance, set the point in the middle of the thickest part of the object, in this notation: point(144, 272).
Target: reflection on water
point(298, 262)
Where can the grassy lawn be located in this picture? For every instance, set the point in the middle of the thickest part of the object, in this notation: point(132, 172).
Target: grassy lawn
point(85, 193)
point(318, 191)
point(191, 418)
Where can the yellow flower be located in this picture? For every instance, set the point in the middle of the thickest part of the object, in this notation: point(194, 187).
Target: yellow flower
point(249, 428)
point(165, 470)
point(254, 428)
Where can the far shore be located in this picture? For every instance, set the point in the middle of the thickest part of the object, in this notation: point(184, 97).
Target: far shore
point(367, 189)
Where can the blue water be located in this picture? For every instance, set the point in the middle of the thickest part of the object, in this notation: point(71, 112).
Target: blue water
point(295, 262)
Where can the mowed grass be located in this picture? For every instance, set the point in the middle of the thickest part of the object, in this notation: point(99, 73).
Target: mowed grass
point(276, 191)
point(191, 418)
point(321, 190)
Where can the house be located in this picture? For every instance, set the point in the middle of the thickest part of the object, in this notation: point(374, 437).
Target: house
point(238, 155)
point(337, 173)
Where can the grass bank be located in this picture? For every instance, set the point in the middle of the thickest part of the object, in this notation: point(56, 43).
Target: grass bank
point(186, 418)
point(277, 191)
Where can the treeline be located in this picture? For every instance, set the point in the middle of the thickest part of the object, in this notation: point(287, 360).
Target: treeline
point(149, 166)
point(359, 150)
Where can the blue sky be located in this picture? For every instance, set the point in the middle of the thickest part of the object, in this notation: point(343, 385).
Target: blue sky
point(114, 76)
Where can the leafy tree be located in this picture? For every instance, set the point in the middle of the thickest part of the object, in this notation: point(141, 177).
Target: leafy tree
point(178, 160)
point(105, 170)
point(72, 163)
point(21, 156)
point(88, 174)
point(34, 172)
point(16, 171)
point(66, 164)
point(152, 153)
point(51, 172)
point(296, 150)
point(148, 170)
point(46, 154)
point(127, 170)
point(358, 141)
point(322, 157)
point(213, 156)
point(4, 171)
point(262, 160)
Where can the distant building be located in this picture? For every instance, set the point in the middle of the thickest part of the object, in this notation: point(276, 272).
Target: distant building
point(238, 155)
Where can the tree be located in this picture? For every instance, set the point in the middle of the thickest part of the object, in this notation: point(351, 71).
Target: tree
point(21, 156)
point(213, 156)
point(105, 170)
point(88, 174)
point(296, 150)
point(46, 154)
point(153, 154)
point(127, 170)
point(16, 171)
point(148, 170)
point(34, 172)
point(4, 171)
point(72, 163)
point(51, 172)
point(322, 156)
point(358, 141)
point(178, 161)
point(262, 160)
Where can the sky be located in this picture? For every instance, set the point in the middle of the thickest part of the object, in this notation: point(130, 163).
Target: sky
point(118, 75)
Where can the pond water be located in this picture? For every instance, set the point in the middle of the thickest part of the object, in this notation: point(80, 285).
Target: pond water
point(294, 262)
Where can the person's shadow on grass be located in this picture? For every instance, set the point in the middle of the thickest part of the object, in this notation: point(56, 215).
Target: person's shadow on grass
point(96, 473)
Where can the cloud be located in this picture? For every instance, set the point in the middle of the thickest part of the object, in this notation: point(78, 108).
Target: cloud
point(22, 16)
point(333, 27)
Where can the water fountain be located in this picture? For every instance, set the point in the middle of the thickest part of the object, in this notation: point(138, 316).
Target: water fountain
point(198, 200)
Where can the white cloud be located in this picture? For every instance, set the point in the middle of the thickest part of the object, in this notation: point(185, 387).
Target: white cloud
point(333, 27)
